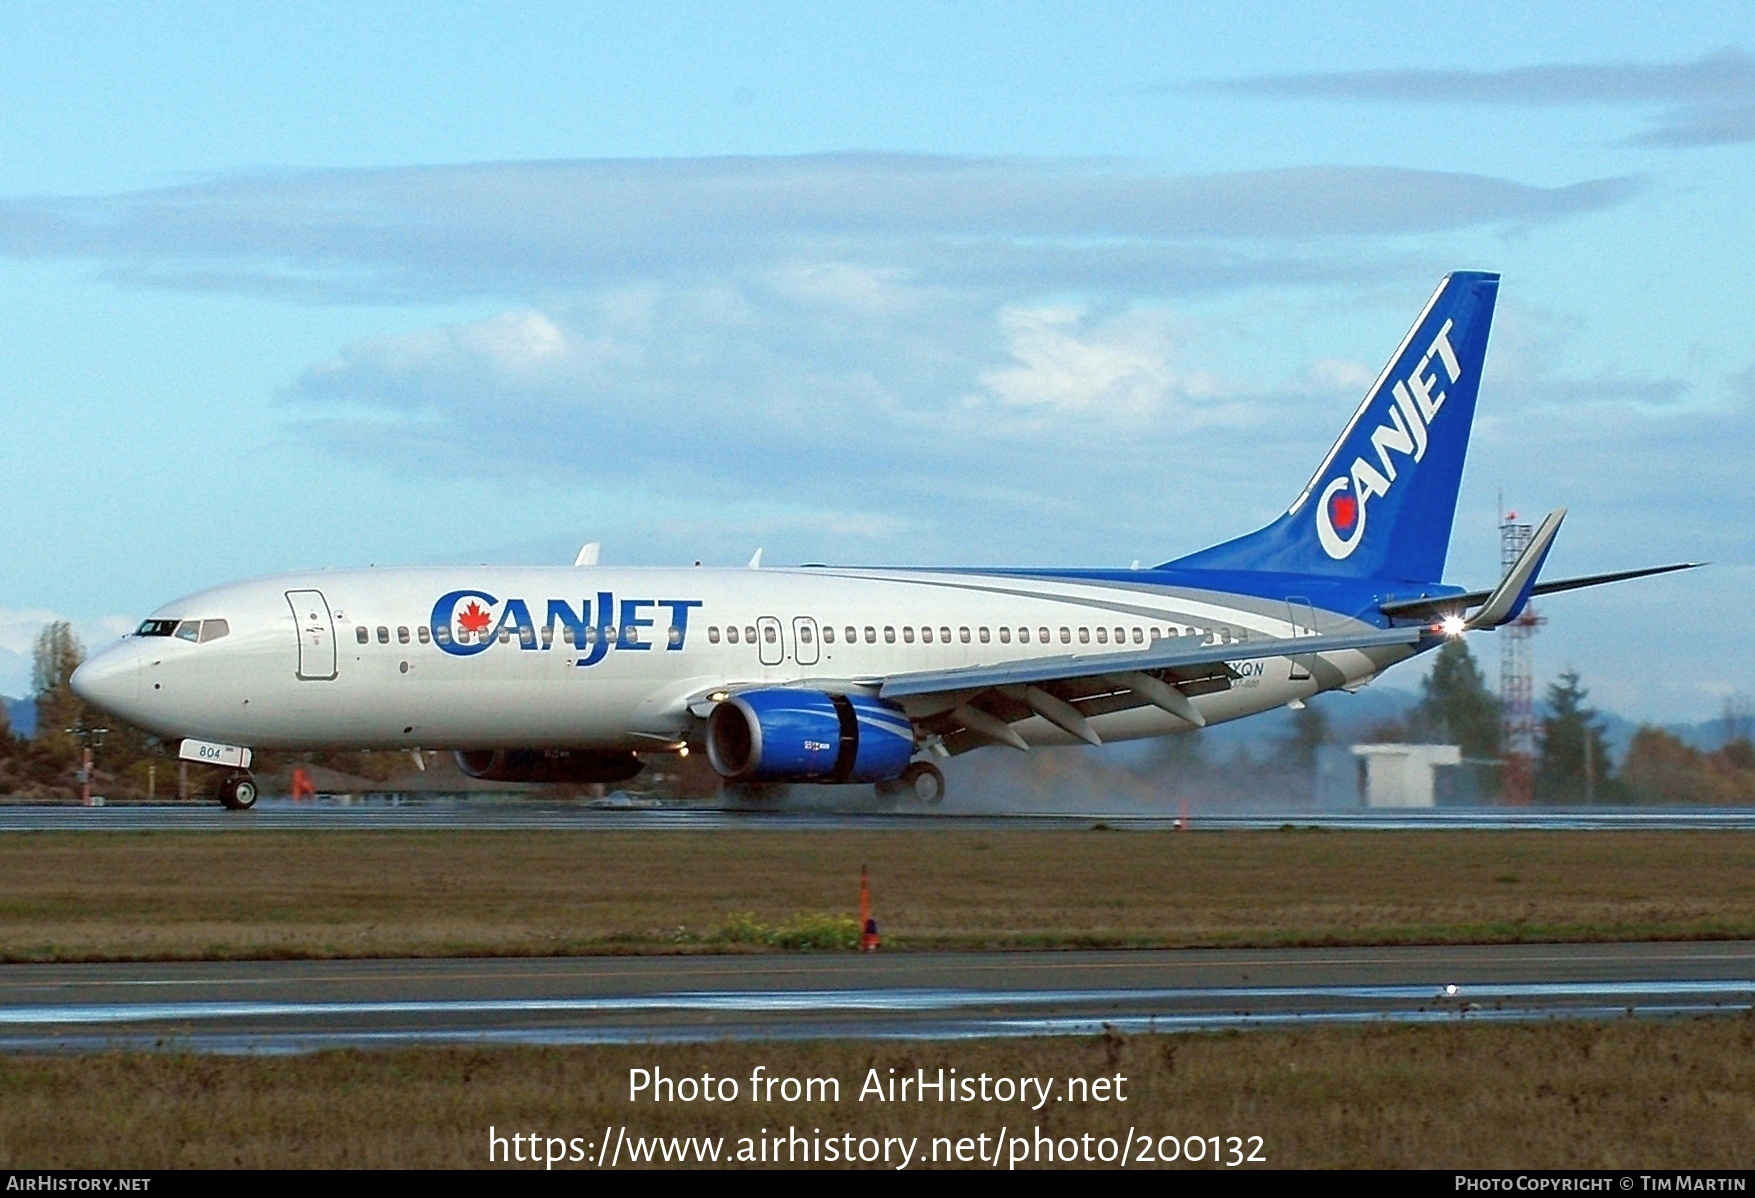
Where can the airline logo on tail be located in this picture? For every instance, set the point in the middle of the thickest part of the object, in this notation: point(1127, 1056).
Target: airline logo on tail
point(1346, 498)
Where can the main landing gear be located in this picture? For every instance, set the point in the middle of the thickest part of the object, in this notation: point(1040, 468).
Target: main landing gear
point(237, 791)
point(922, 781)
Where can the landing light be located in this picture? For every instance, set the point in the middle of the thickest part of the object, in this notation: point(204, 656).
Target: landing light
point(1453, 626)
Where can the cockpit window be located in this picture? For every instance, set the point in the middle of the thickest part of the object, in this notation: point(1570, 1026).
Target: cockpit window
point(189, 630)
point(212, 630)
point(156, 628)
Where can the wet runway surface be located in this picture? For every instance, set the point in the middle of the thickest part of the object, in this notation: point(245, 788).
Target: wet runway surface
point(536, 815)
point(297, 1006)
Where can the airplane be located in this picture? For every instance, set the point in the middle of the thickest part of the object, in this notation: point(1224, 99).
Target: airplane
point(821, 674)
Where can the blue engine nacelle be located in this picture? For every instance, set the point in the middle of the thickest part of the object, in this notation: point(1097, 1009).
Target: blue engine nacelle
point(785, 734)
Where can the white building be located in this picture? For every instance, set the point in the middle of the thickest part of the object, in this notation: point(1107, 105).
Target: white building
point(1401, 775)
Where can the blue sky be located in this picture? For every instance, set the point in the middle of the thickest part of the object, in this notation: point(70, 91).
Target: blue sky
point(330, 285)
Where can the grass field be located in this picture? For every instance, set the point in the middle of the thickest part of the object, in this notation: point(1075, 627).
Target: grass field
point(1622, 1095)
point(323, 894)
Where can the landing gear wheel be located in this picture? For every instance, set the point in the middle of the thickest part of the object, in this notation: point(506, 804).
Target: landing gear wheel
point(238, 791)
point(923, 782)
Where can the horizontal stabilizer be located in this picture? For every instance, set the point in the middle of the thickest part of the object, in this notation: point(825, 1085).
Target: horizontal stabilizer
point(1455, 605)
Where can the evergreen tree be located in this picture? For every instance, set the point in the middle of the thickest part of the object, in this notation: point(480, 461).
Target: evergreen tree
point(1182, 753)
point(1309, 733)
point(1574, 765)
point(1456, 705)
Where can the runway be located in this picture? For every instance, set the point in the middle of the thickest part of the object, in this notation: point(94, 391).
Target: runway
point(491, 814)
point(301, 1006)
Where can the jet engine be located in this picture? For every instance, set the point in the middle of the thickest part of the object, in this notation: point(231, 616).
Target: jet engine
point(786, 734)
point(548, 765)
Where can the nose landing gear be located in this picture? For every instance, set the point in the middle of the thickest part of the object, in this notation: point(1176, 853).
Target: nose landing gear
point(237, 791)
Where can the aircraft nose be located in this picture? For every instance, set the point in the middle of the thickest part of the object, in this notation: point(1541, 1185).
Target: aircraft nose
point(110, 680)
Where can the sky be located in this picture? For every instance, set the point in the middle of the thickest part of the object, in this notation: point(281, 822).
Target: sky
point(284, 287)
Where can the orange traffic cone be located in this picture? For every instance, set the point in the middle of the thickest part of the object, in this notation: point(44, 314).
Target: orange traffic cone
point(868, 933)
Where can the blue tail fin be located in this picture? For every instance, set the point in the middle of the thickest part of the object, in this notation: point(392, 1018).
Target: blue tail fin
point(1381, 503)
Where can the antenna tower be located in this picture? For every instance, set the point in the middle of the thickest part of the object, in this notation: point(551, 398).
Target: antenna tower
point(1516, 676)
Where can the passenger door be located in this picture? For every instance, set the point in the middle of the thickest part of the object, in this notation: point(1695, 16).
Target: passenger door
point(316, 634)
point(770, 641)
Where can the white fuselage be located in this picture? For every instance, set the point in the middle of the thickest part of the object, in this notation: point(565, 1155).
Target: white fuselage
point(614, 658)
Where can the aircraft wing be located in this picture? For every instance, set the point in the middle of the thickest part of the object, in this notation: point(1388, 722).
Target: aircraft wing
point(978, 703)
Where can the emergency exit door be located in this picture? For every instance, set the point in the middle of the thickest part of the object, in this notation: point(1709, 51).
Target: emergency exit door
point(773, 648)
point(316, 634)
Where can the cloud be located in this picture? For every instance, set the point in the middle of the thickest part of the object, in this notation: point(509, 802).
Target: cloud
point(1711, 99)
point(530, 228)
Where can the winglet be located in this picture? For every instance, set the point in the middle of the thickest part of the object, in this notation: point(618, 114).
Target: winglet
point(588, 554)
point(756, 560)
point(1513, 592)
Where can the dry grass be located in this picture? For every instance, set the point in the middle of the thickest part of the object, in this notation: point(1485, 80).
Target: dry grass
point(1613, 1095)
point(317, 894)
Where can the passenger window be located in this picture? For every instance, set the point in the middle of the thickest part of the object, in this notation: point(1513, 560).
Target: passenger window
point(505, 636)
point(749, 633)
point(1156, 633)
point(908, 633)
point(402, 634)
point(731, 634)
point(1065, 635)
point(212, 630)
point(1042, 635)
point(889, 635)
point(1139, 638)
point(1102, 636)
point(424, 635)
point(189, 630)
point(984, 636)
point(1084, 636)
point(852, 634)
point(673, 637)
point(1005, 635)
point(1121, 636)
point(870, 635)
point(963, 635)
point(713, 634)
point(828, 634)
point(591, 635)
point(567, 633)
point(383, 634)
point(1023, 636)
point(442, 634)
point(803, 633)
point(926, 634)
point(944, 634)
point(769, 635)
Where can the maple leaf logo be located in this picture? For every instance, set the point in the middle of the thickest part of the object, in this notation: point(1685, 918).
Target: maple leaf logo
point(473, 618)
